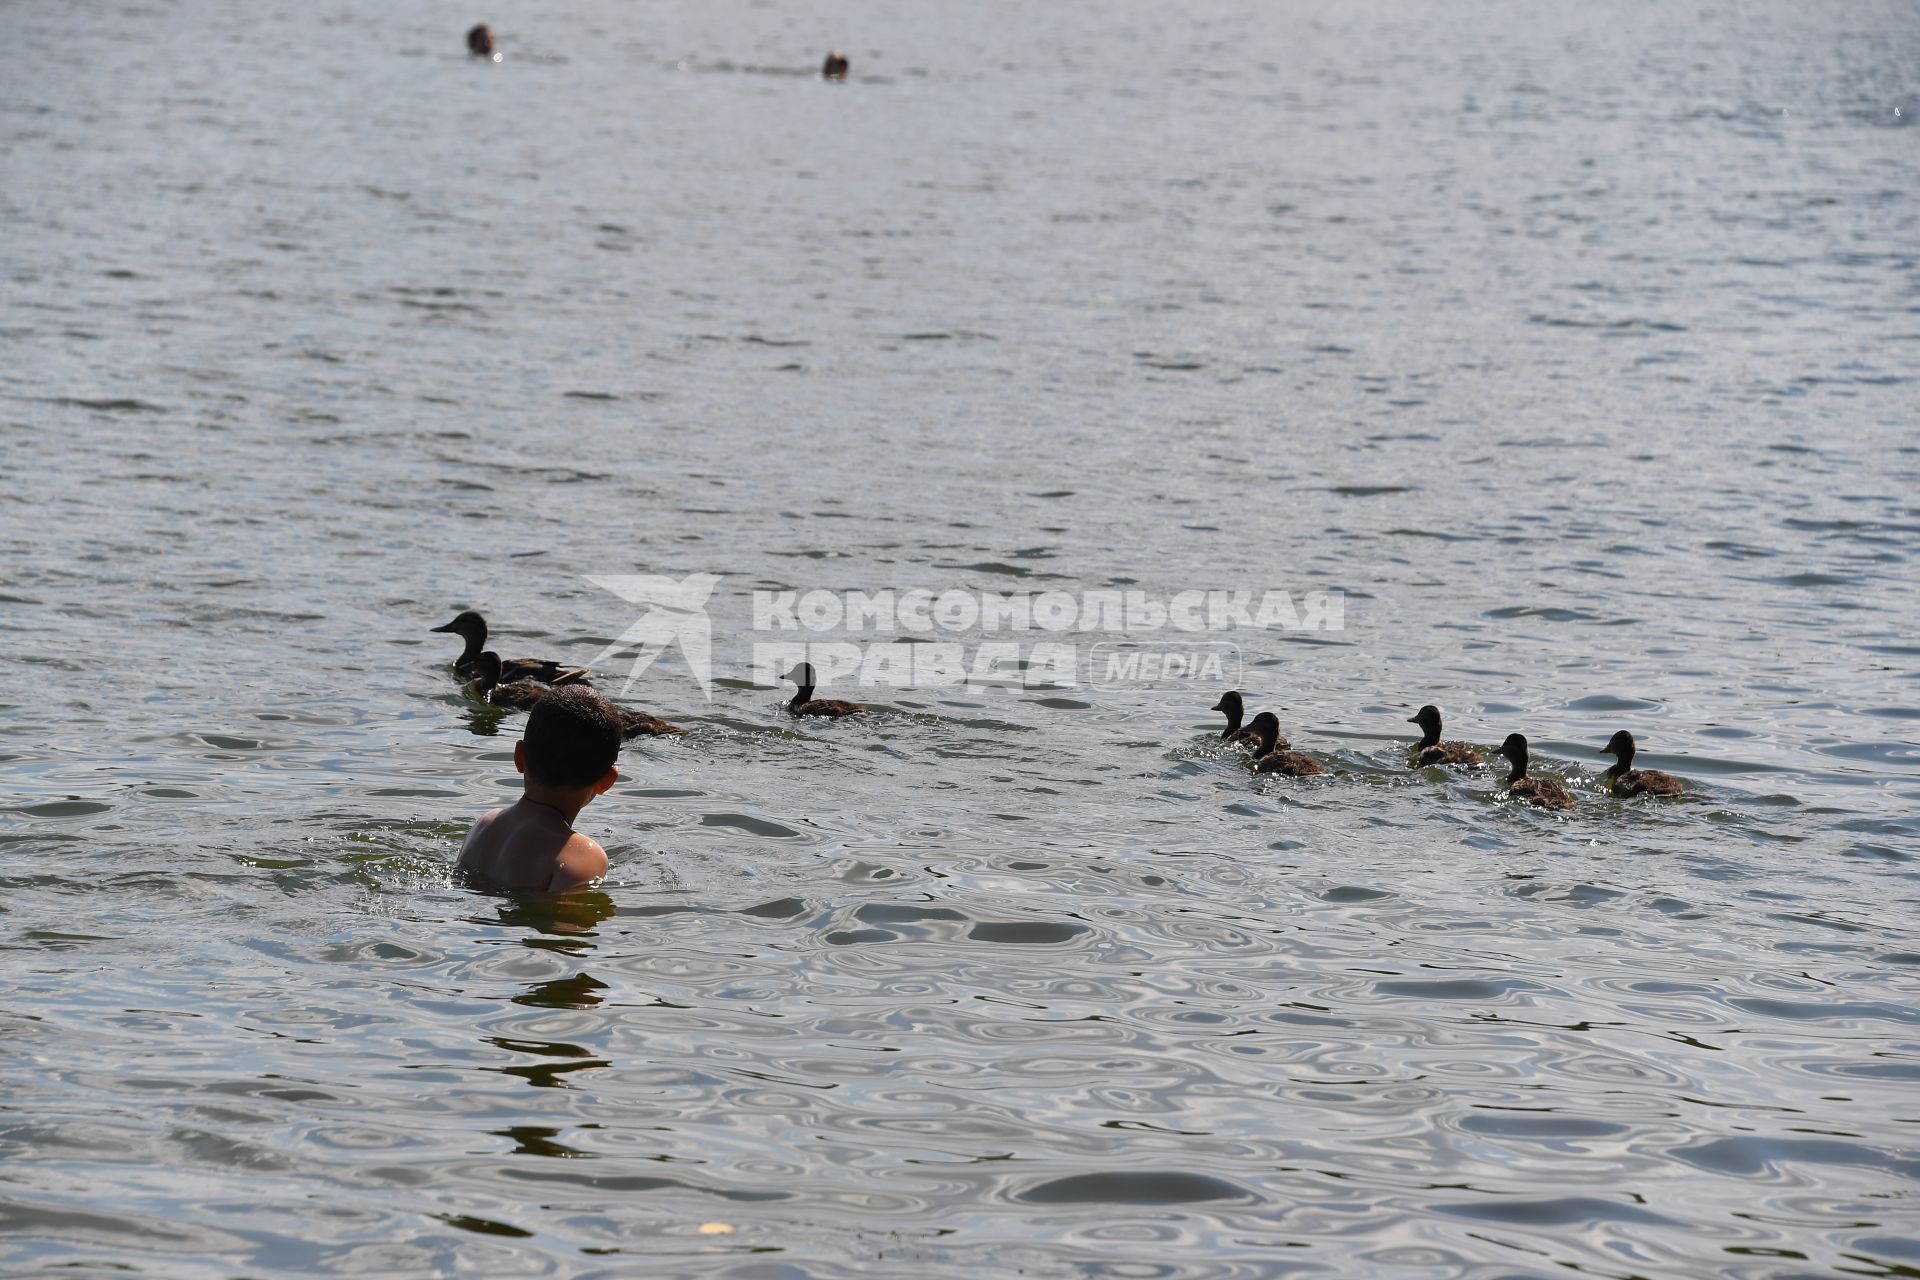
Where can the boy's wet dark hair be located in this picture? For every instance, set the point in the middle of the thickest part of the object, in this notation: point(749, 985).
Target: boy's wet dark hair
point(572, 737)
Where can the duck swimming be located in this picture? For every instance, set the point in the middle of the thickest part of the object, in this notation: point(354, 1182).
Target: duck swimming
point(805, 704)
point(521, 695)
point(489, 686)
point(638, 724)
point(472, 628)
point(1270, 754)
point(1544, 792)
point(1431, 751)
point(480, 41)
point(835, 67)
point(1231, 703)
point(1625, 780)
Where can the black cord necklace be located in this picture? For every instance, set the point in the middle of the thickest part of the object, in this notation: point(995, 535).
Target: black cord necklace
point(564, 820)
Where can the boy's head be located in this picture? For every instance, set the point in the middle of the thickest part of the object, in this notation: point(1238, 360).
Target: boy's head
point(572, 740)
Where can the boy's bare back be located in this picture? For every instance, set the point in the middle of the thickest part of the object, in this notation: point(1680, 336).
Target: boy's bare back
point(528, 847)
point(566, 759)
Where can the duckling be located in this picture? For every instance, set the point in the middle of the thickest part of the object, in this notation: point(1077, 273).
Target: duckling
point(472, 628)
point(1544, 792)
point(1431, 750)
point(638, 724)
point(805, 704)
point(489, 686)
point(1241, 737)
point(1625, 780)
point(1270, 754)
point(522, 695)
point(835, 67)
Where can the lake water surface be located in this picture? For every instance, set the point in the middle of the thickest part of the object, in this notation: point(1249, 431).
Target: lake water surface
point(1576, 344)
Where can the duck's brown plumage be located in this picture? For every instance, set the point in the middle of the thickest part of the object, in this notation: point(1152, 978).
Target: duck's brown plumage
point(804, 703)
point(1649, 782)
point(472, 628)
point(1431, 751)
point(1544, 792)
point(1293, 764)
point(834, 68)
point(1448, 753)
point(833, 708)
point(523, 695)
point(1270, 756)
point(1626, 781)
point(638, 724)
point(490, 685)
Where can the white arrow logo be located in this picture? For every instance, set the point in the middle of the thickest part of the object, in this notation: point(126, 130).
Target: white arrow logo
point(676, 613)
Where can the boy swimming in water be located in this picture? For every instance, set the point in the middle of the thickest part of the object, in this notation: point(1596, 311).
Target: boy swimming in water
point(567, 754)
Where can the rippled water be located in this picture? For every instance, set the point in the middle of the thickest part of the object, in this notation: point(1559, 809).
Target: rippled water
point(1578, 345)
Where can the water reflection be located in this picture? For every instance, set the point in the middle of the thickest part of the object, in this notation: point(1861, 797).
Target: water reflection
point(577, 992)
point(563, 924)
point(482, 721)
point(533, 1140)
point(561, 1059)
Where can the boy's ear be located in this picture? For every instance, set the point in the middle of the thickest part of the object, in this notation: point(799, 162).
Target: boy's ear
point(520, 756)
point(605, 784)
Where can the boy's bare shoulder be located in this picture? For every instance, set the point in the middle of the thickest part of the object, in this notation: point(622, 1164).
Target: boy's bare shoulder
point(485, 820)
point(478, 829)
point(580, 861)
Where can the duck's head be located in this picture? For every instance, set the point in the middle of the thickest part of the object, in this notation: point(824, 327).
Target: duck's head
point(1230, 703)
point(802, 675)
point(1515, 748)
point(1620, 744)
point(1427, 717)
point(486, 670)
point(1266, 727)
point(469, 626)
